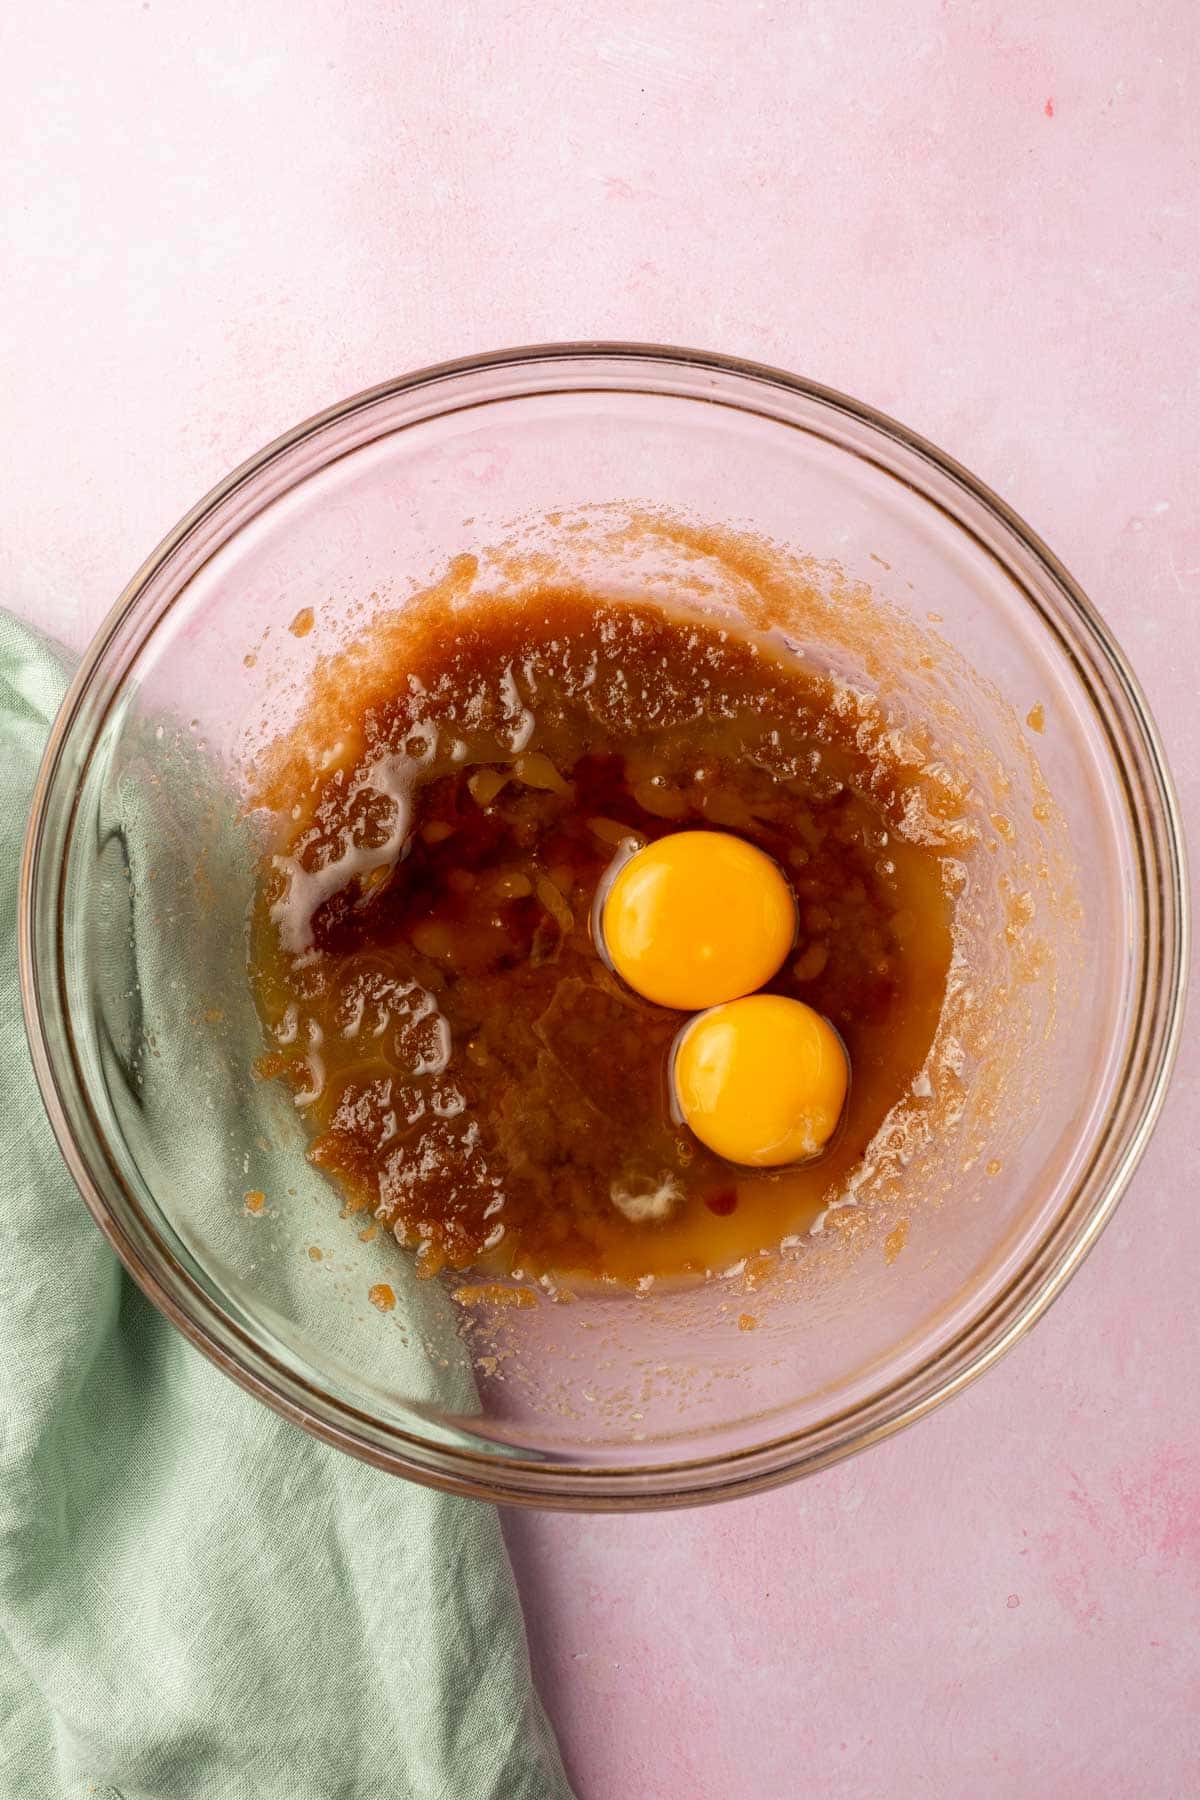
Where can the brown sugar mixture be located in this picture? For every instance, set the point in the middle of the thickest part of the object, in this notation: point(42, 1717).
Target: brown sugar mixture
point(471, 1071)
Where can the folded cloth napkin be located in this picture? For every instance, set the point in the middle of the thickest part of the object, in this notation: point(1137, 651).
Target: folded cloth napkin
point(196, 1598)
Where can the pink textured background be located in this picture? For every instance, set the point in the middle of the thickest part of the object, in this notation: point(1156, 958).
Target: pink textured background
point(981, 217)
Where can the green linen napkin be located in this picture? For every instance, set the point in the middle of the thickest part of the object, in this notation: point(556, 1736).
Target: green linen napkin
point(196, 1598)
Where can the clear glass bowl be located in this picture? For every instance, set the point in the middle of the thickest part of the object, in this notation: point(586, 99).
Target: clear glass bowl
point(139, 869)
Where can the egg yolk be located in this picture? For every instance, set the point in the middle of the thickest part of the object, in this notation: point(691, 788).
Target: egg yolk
point(761, 1081)
point(698, 918)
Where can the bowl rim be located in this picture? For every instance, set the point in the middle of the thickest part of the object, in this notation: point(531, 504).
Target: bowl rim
point(981, 1341)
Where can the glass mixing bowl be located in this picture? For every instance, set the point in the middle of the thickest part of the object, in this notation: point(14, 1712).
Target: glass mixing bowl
point(140, 865)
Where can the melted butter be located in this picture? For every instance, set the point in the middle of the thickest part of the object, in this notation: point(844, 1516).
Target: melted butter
point(471, 1072)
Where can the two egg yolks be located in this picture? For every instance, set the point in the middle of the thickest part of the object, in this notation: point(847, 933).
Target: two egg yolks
point(698, 921)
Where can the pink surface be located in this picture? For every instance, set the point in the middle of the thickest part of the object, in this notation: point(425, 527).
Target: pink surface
point(981, 218)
